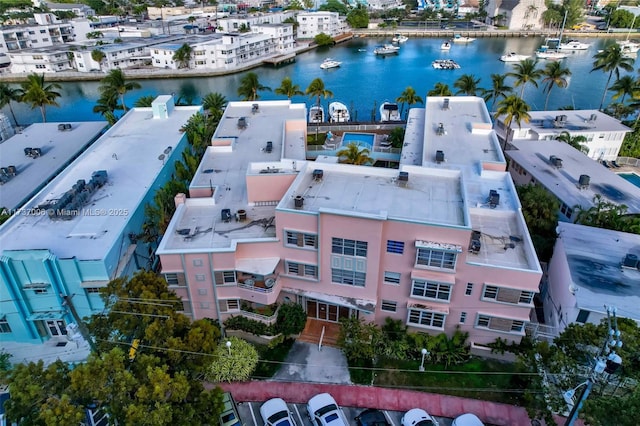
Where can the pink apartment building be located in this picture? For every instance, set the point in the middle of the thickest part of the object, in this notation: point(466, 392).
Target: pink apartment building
point(439, 243)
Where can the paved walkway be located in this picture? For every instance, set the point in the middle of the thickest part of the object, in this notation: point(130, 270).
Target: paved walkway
point(305, 363)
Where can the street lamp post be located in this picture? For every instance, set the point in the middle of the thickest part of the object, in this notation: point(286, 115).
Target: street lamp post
point(228, 346)
point(424, 353)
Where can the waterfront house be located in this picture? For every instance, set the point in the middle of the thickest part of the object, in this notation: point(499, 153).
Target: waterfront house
point(46, 32)
point(516, 14)
point(41, 60)
point(310, 24)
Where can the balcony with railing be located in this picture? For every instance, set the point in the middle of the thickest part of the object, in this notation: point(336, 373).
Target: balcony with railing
point(262, 289)
point(267, 314)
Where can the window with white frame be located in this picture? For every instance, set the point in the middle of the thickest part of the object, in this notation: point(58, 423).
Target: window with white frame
point(505, 325)
point(463, 317)
point(200, 277)
point(202, 291)
point(392, 277)
point(92, 290)
point(348, 247)
point(175, 278)
point(388, 306)
point(197, 262)
point(301, 239)
point(507, 295)
point(4, 325)
point(301, 269)
point(348, 277)
point(431, 290)
point(435, 258)
point(469, 289)
point(225, 277)
point(427, 319)
point(228, 305)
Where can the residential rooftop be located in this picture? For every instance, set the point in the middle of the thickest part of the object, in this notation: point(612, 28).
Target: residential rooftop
point(562, 181)
point(573, 121)
point(58, 148)
point(132, 153)
point(595, 257)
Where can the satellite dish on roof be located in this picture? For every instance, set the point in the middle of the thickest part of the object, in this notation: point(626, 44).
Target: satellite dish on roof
point(167, 150)
point(161, 157)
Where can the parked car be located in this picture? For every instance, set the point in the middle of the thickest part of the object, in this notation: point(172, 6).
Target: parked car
point(418, 417)
point(467, 420)
point(324, 411)
point(229, 415)
point(372, 417)
point(275, 412)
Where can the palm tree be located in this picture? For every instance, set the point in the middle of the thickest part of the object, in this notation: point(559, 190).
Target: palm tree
point(352, 154)
point(625, 85)
point(288, 89)
point(98, 56)
point(182, 55)
point(142, 102)
point(467, 85)
point(440, 89)
point(8, 95)
point(554, 74)
point(498, 89)
point(107, 104)
point(525, 72)
point(214, 104)
point(250, 86)
point(611, 60)
point(37, 93)
point(574, 141)
point(116, 82)
point(409, 97)
point(317, 90)
point(512, 108)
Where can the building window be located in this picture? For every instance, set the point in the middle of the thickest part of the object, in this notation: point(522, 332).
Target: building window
point(463, 317)
point(40, 291)
point(4, 326)
point(431, 290)
point(225, 277)
point(433, 258)
point(176, 279)
point(583, 316)
point(342, 276)
point(426, 319)
point(229, 305)
point(204, 305)
point(388, 305)
point(469, 289)
point(300, 239)
point(302, 270)
point(396, 247)
point(507, 295)
point(500, 324)
point(200, 277)
point(392, 277)
point(348, 247)
point(202, 291)
point(92, 290)
point(197, 262)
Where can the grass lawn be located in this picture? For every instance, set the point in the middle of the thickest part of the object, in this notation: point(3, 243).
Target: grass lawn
point(266, 370)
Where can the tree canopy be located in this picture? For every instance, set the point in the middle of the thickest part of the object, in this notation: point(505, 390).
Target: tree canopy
point(358, 17)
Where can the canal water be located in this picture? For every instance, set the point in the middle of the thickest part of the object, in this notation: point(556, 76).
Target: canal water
point(364, 80)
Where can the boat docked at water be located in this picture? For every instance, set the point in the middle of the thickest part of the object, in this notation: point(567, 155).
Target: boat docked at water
point(461, 39)
point(338, 113)
point(329, 63)
point(387, 49)
point(445, 64)
point(316, 114)
point(573, 45)
point(629, 47)
point(513, 57)
point(389, 112)
point(545, 52)
point(445, 46)
point(399, 38)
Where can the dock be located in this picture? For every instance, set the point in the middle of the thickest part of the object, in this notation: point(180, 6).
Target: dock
point(276, 61)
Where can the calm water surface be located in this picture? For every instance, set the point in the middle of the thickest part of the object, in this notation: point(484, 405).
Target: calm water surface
point(364, 80)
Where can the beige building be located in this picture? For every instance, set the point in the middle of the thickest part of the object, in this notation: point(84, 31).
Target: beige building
point(516, 14)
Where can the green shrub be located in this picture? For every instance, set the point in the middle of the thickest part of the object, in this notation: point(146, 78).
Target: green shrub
point(291, 319)
point(249, 325)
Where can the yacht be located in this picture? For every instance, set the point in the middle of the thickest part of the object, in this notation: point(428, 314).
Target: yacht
point(445, 46)
point(389, 112)
point(553, 54)
point(513, 57)
point(338, 112)
point(629, 47)
point(573, 45)
point(329, 63)
point(460, 39)
point(399, 38)
point(316, 114)
point(387, 49)
point(445, 64)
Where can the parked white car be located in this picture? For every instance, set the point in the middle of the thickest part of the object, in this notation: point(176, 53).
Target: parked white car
point(275, 412)
point(324, 411)
point(467, 420)
point(418, 417)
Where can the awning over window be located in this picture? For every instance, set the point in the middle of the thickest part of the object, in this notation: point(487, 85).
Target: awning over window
point(261, 266)
point(439, 246)
point(349, 302)
point(430, 307)
point(51, 315)
point(93, 284)
point(433, 276)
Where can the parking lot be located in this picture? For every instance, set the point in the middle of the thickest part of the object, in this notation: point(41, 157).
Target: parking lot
point(249, 413)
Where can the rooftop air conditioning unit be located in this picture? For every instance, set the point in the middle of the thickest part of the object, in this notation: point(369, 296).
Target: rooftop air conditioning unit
point(445, 103)
point(583, 181)
point(439, 156)
point(318, 174)
point(494, 198)
point(630, 261)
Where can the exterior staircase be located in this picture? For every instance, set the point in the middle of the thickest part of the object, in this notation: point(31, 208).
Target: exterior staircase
point(313, 330)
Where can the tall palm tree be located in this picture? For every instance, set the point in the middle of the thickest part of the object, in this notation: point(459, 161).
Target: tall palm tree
point(250, 86)
point(611, 60)
point(409, 97)
point(182, 55)
point(9, 94)
point(440, 89)
point(467, 85)
point(98, 56)
point(37, 93)
point(352, 154)
point(554, 74)
point(625, 85)
point(142, 102)
point(116, 82)
point(214, 103)
point(288, 89)
point(499, 89)
point(525, 72)
point(574, 141)
point(317, 90)
point(107, 104)
point(512, 108)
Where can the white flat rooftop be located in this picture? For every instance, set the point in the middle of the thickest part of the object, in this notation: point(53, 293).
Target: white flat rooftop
point(577, 121)
point(129, 153)
point(59, 148)
point(534, 156)
point(595, 256)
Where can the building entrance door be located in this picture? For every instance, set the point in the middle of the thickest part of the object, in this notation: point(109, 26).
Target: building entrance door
point(56, 328)
point(326, 311)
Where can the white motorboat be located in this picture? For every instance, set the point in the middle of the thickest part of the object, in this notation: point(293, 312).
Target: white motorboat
point(573, 45)
point(338, 112)
point(460, 39)
point(316, 114)
point(329, 63)
point(628, 46)
point(445, 64)
point(389, 112)
point(513, 57)
point(553, 54)
point(399, 38)
point(445, 46)
point(387, 49)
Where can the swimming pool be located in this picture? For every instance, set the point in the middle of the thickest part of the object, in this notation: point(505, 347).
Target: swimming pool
point(631, 177)
point(362, 139)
